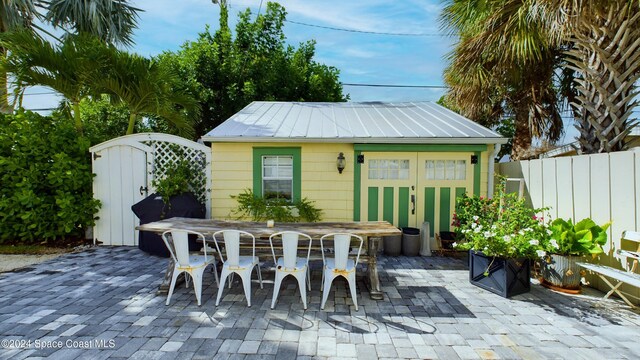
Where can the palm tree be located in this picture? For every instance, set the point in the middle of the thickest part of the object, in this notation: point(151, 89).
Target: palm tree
point(149, 87)
point(68, 68)
point(113, 21)
point(490, 76)
point(603, 54)
point(83, 66)
point(606, 55)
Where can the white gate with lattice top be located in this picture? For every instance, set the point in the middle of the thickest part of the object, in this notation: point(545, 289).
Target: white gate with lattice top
point(125, 168)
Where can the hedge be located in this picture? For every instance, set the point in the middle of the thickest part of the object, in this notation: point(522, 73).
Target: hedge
point(45, 177)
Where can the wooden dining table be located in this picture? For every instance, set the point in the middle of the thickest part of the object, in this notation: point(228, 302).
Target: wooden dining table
point(371, 231)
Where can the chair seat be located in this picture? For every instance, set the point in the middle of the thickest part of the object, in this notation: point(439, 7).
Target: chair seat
point(244, 262)
point(330, 264)
point(300, 264)
point(198, 261)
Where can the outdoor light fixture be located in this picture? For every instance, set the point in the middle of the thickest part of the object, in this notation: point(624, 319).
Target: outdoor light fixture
point(342, 162)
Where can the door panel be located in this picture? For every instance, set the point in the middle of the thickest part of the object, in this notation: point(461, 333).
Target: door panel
point(388, 184)
point(120, 173)
point(441, 178)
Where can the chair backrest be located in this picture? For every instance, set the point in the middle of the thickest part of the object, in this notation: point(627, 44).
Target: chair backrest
point(179, 245)
point(341, 245)
point(290, 241)
point(231, 240)
point(635, 255)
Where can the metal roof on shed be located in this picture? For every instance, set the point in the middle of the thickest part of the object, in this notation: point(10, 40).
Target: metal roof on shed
point(351, 122)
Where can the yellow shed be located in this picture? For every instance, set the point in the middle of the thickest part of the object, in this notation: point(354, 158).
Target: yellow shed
point(403, 162)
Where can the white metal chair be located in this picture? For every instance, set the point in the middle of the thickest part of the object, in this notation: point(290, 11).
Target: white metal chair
point(340, 265)
point(291, 264)
point(192, 264)
point(236, 264)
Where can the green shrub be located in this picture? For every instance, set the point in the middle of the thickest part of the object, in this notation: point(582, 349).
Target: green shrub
point(45, 172)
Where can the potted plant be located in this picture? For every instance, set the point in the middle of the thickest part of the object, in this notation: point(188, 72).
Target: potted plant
point(502, 236)
point(259, 208)
point(565, 245)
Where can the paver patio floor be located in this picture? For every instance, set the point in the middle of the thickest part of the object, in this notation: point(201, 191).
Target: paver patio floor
point(102, 303)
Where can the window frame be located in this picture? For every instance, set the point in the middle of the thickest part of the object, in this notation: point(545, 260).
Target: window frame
point(294, 152)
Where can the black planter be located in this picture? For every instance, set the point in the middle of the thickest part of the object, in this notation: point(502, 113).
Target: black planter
point(152, 208)
point(506, 277)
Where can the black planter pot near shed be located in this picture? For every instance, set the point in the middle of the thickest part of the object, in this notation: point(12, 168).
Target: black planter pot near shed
point(505, 277)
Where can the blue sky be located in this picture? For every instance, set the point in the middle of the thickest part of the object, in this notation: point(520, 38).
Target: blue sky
point(361, 58)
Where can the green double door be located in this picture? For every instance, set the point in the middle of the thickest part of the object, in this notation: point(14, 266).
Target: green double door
point(407, 188)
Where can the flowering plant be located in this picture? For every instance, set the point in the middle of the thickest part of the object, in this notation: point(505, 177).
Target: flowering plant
point(500, 227)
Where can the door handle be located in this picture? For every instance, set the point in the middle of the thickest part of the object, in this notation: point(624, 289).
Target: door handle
point(413, 204)
point(145, 189)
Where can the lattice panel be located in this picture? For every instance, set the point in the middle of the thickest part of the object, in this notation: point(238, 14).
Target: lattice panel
point(165, 153)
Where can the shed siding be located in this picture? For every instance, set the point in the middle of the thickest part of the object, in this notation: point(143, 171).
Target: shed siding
point(332, 192)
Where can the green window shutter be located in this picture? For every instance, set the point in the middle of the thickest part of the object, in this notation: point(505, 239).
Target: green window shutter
point(294, 152)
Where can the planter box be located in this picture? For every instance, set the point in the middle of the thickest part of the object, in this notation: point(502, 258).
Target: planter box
point(506, 277)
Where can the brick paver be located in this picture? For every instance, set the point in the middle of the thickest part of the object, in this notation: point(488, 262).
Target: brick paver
point(102, 303)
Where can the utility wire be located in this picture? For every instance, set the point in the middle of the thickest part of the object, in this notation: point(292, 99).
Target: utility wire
point(41, 93)
point(362, 31)
point(397, 86)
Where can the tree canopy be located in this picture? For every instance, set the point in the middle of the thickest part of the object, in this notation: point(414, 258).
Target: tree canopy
point(583, 53)
point(229, 71)
point(496, 76)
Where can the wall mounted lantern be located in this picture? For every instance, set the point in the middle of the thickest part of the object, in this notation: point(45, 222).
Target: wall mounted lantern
point(342, 162)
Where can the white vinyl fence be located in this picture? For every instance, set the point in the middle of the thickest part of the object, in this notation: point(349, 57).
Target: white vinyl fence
point(604, 187)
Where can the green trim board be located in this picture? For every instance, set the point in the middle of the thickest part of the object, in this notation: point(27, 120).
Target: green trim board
point(387, 204)
point(357, 187)
point(372, 194)
point(445, 208)
point(419, 148)
point(459, 192)
point(295, 152)
point(430, 207)
point(476, 174)
point(403, 207)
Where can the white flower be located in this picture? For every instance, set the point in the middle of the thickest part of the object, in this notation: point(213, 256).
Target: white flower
point(489, 234)
point(454, 244)
point(554, 244)
point(521, 232)
point(494, 226)
point(507, 238)
point(475, 217)
point(541, 253)
point(534, 242)
point(477, 230)
point(474, 225)
point(549, 232)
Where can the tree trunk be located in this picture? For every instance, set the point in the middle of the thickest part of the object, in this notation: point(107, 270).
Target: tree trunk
point(132, 122)
point(77, 117)
point(606, 55)
point(522, 136)
point(4, 91)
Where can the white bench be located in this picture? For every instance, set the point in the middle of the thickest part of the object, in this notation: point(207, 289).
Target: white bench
point(623, 277)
